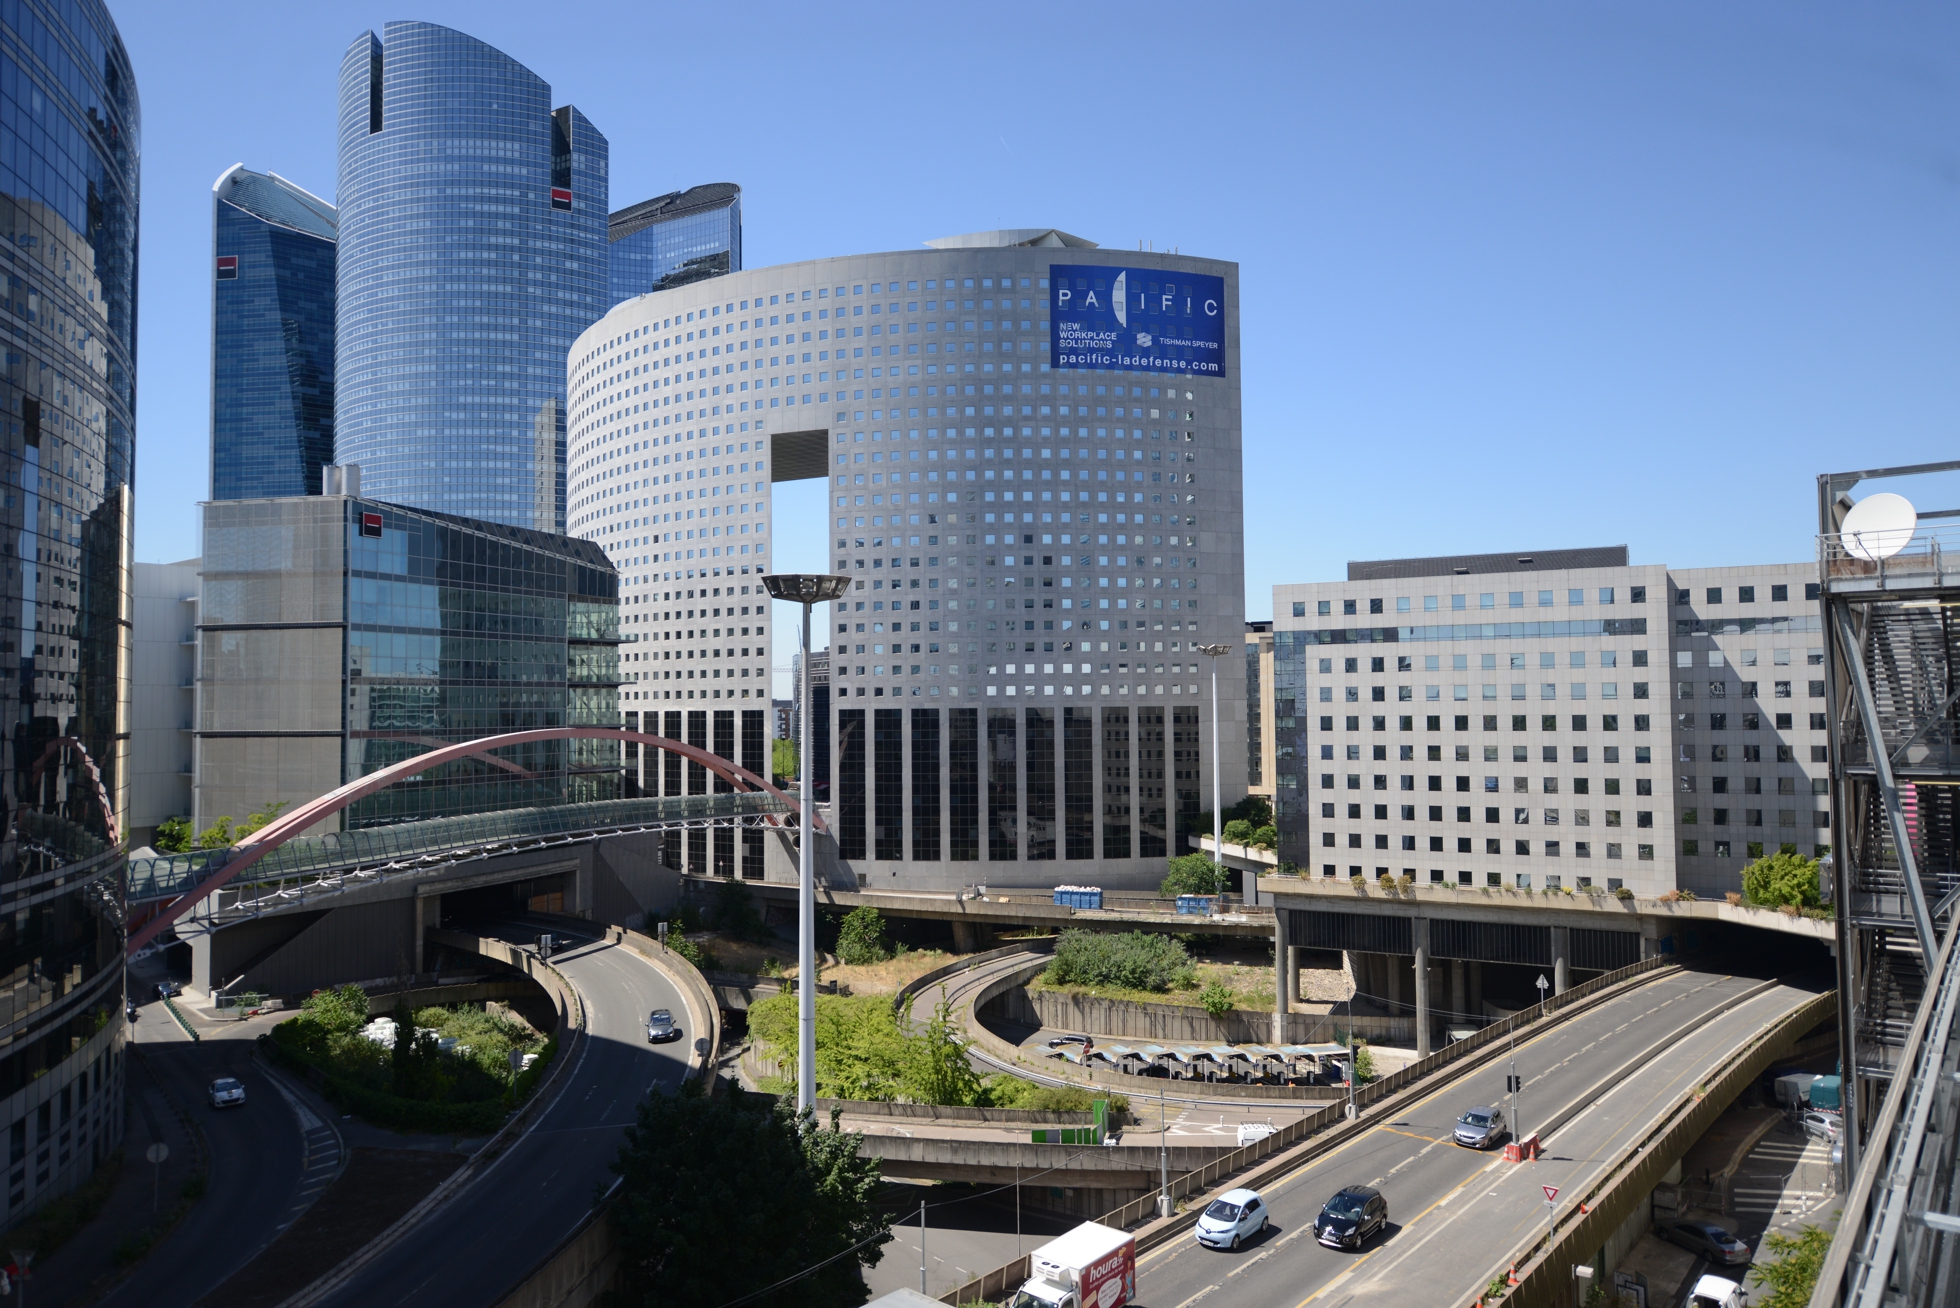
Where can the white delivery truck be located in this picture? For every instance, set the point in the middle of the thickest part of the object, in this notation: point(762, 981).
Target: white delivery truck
point(1718, 1292)
point(1793, 1090)
point(1093, 1266)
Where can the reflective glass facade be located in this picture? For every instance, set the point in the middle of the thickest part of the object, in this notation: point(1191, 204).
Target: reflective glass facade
point(472, 253)
point(70, 132)
point(340, 636)
point(674, 239)
point(271, 337)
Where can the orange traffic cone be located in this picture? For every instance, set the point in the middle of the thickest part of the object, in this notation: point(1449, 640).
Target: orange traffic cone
point(1511, 1277)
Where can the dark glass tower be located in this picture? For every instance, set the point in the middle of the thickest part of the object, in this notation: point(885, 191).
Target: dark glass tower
point(70, 133)
point(472, 253)
point(673, 239)
point(271, 337)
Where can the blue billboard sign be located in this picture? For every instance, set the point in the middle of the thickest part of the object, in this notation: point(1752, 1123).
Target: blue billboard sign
point(1137, 320)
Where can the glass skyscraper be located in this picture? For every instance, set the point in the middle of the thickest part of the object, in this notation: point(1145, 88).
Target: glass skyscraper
point(673, 239)
point(70, 136)
point(472, 253)
point(272, 249)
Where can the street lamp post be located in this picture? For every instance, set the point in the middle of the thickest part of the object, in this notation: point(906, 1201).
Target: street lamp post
point(809, 590)
point(1211, 653)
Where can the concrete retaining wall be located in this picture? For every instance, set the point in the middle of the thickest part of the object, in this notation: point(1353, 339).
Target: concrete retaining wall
point(1180, 1024)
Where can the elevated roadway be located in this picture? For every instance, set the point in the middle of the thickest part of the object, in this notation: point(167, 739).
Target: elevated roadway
point(1601, 1081)
point(477, 1247)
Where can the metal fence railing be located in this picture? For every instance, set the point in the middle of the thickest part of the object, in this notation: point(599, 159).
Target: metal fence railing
point(1299, 1130)
point(168, 876)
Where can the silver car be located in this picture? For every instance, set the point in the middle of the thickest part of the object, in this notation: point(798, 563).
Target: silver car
point(1480, 1128)
point(225, 1092)
point(660, 1027)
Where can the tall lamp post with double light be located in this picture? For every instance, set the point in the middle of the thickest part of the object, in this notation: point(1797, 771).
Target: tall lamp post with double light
point(809, 590)
point(1211, 653)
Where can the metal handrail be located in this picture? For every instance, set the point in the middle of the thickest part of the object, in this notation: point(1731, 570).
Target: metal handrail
point(167, 876)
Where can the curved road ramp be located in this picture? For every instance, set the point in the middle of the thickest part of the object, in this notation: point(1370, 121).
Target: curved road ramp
point(1619, 1077)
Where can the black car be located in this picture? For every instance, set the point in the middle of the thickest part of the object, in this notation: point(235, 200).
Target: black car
point(166, 989)
point(1715, 1243)
point(1348, 1219)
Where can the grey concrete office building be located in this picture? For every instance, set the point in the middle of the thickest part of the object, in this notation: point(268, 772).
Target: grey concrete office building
point(1548, 721)
point(1101, 504)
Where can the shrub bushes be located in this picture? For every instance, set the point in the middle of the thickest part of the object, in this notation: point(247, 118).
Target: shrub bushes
point(416, 1086)
point(1782, 878)
point(1132, 961)
point(1192, 874)
point(861, 938)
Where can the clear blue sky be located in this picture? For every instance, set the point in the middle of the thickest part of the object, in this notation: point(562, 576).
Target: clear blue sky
point(1513, 277)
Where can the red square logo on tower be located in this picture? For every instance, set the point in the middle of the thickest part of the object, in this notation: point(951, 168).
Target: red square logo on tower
point(561, 198)
point(227, 267)
point(370, 524)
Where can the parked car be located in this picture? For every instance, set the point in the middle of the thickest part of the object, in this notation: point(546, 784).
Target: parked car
point(1716, 1244)
point(167, 989)
point(1480, 1128)
point(1718, 1292)
point(1232, 1219)
point(227, 1093)
point(1350, 1217)
point(1820, 1125)
point(1056, 1042)
point(660, 1027)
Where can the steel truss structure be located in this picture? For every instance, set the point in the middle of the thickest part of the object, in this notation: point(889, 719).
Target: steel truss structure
point(1893, 675)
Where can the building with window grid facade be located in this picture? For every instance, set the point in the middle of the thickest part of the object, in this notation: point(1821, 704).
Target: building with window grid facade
point(673, 239)
point(71, 127)
point(1073, 750)
point(272, 328)
point(339, 635)
point(472, 252)
point(1560, 720)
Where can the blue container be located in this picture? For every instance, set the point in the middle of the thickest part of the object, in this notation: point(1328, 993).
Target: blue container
point(1201, 905)
point(1078, 897)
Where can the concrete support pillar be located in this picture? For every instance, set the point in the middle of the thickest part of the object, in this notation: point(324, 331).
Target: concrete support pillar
point(1561, 950)
point(963, 937)
point(1476, 976)
point(1459, 1000)
point(1293, 973)
point(1283, 974)
point(1421, 939)
point(423, 915)
point(1650, 943)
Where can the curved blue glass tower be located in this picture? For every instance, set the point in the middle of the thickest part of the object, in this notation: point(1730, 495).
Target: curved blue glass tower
point(70, 132)
point(472, 252)
point(271, 336)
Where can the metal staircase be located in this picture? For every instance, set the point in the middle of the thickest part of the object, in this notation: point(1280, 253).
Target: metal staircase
point(1893, 675)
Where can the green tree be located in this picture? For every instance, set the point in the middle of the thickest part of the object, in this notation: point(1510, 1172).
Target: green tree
point(1792, 1277)
point(216, 836)
point(701, 1176)
point(861, 938)
point(1266, 837)
point(417, 1061)
point(1215, 999)
point(935, 1069)
point(173, 836)
point(336, 1012)
point(1782, 878)
point(782, 760)
point(1192, 874)
point(735, 914)
point(1238, 831)
point(259, 817)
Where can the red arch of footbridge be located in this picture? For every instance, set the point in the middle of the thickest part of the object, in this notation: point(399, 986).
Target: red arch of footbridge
point(287, 825)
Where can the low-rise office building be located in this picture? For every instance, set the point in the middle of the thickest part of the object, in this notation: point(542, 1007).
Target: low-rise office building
point(338, 635)
point(1564, 719)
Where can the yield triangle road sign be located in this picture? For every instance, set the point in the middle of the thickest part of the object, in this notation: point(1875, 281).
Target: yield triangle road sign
point(1551, 1192)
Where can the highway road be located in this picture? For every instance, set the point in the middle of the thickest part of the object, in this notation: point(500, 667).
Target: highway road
point(1453, 1212)
point(473, 1250)
point(269, 1159)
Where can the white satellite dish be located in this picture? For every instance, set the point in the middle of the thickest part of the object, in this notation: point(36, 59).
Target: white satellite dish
point(1879, 526)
